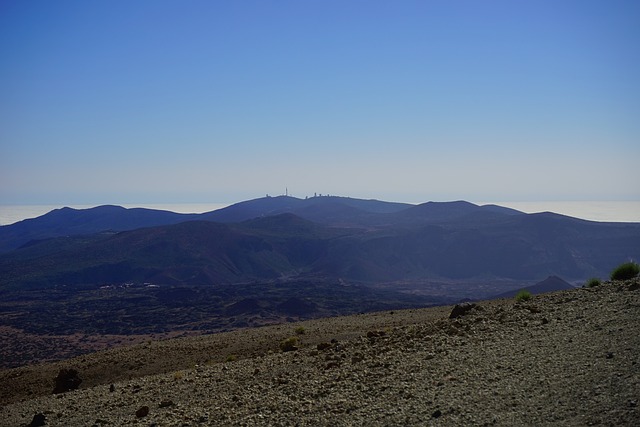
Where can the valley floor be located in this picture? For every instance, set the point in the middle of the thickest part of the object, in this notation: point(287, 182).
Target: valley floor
point(568, 358)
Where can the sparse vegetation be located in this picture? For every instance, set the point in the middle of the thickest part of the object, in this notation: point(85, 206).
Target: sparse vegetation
point(300, 330)
point(178, 375)
point(593, 282)
point(290, 344)
point(231, 358)
point(523, 295)
point(625, 271)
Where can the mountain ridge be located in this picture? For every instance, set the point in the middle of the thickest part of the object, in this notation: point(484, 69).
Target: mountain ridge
point(334, 237)
point(519, 247)
point(331, 210)
point(69, 221)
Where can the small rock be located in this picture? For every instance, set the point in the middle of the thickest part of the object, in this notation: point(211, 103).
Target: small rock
point(142, 412)
point(461, 310)
point(609, 355)
point(436, 414)
point(533, 309)
point(38, 420)
point(282, 380)
point(323, 346)
point(66, 380)
point(165, 403)
point(357, 358)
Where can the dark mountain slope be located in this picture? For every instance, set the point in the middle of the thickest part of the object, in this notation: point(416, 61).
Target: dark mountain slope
point(439, 212)
point(68, 221)
point(334, 213)
point(521, 247)
point(344, 211)
point(516, 247)
point(371, 205)
point(550, 284)
point(340, 211)
point(572, 243)
point(71, 222)
point(327, 209)
point(251, 209)
point(194, 252)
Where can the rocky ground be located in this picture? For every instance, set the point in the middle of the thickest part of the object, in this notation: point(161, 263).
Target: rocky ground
point(568, 358)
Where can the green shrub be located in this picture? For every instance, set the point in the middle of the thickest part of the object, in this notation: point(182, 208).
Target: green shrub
point(523, 295)
point(231, 358)
point(300, 330)
point(290, 344)
point(625, 271)
point(593, 282)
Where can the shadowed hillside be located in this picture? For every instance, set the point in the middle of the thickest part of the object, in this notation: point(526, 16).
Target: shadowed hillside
point(456, 241)
point(70, 222)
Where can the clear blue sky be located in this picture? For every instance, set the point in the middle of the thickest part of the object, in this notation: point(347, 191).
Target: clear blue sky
point(219, 101)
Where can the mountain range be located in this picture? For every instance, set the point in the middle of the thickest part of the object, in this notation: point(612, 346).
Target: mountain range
point(73, 281)
point(340, 238)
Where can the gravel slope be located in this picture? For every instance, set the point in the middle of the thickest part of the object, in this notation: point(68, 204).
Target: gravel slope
point(568, 358)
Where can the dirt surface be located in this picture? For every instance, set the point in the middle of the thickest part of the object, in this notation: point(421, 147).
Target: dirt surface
point(567, 358)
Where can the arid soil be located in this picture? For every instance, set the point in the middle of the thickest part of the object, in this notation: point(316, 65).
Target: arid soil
point(16, 345)
point(568, 358)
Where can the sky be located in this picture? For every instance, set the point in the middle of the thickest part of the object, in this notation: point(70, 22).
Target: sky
point(220, 101)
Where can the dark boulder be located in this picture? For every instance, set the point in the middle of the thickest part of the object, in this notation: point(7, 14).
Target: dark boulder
point(461, 309)
point(38, 420)
point(66, 380)
point(323, 346)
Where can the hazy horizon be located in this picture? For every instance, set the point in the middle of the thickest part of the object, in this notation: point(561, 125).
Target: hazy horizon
point(410, 100)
